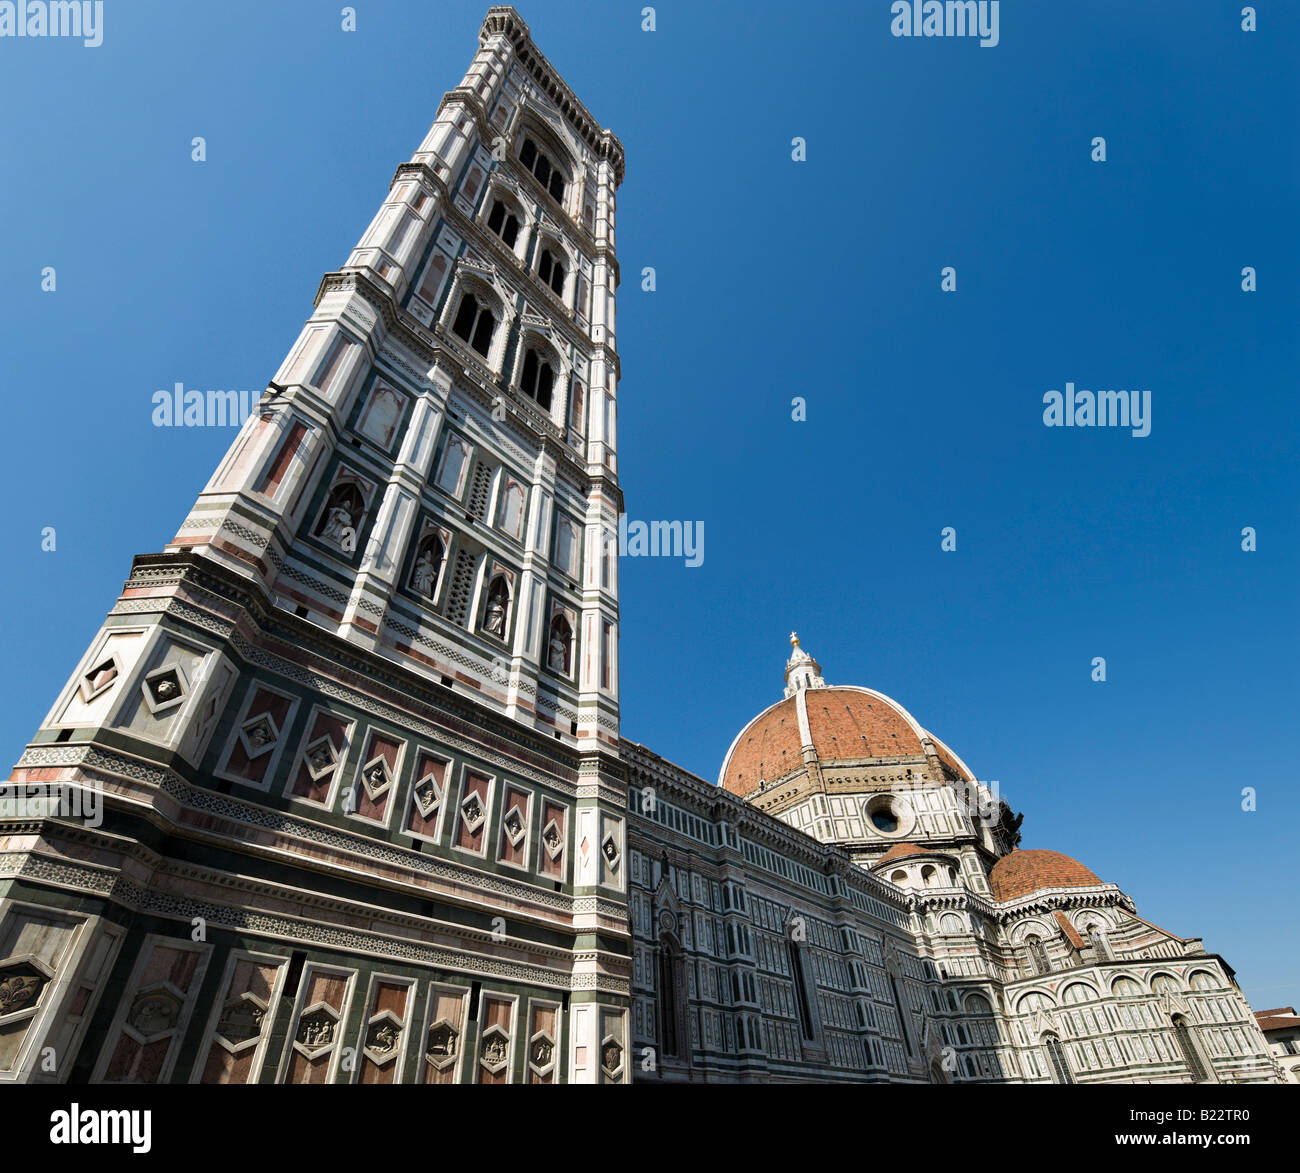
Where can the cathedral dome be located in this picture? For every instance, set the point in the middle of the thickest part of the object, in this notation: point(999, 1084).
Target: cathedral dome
point(828, 723)
point(901, 851)
point(1023, 872)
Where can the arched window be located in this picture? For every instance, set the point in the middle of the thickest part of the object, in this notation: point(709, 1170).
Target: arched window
point(474, 324)
point(1100, 946)
point(1125, 987)
point(1034, 1000)
point(1038, 954)
point(428, 566)
point(551, 271)
point(899, 877)
point(544, 171)
point(669, 965)
point(566, 549)
point(800, 991)
point(1078, 992)
point(504, 222)
point(1201, 980)
point(903, 1024)
point(1187, 1045)
point(950, 923)
point(452, 472)
point(1162, 983)
point(512, 510)
point(928, 875)
point(978, 1005)
point(496, 615)
point(341, 517)
point(537, 378)
point(560, 648)
point(1057, 1063)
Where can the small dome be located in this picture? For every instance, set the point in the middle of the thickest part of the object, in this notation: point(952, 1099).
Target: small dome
point(1023, 872)
point(898, 851)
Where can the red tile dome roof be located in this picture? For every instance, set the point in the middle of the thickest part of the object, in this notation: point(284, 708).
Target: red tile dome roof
point(898, 851)
point(840, 723)
point(1023, 872)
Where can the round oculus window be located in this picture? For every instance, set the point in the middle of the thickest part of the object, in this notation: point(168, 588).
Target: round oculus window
point(883, 819)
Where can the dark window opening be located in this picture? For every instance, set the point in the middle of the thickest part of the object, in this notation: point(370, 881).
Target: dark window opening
point(801, 992)
point(1056, 1053)
point(504, 223)
point(474, 324)
point(551, 272)
point(667, 999)
point(544, 171)
point(902, 1014)
point(537, 379)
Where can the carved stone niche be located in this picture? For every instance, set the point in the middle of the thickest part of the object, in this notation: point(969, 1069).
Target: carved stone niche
point(240, 1025)
point(154, 1012)
point(611, 1056)
point(22, 982)
point(494, 1050)
point(317, 1029)
point(443, 1044)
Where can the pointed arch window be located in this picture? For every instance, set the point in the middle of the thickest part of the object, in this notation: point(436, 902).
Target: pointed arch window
point(537, 379)
point(669, 1026)
point(544, 171)
point(1187, 1045)
point(802, 1002)
point(1038, 954)
point(512, 510)
point(902, 1015)
point(566, 549)
point(1058, 1064)
point(504, 222)
point(1100, 946)
point(552, 272)
point(474, 323)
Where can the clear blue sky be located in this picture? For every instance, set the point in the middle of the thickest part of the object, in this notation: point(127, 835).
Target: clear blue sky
point(775, 279)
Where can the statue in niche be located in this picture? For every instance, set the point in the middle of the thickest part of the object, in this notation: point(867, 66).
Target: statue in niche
point(426, 572)
point(343, 513)
point(561, 642)
point(498, 603)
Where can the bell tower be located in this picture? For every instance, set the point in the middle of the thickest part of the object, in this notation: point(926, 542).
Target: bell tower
point(375, 672)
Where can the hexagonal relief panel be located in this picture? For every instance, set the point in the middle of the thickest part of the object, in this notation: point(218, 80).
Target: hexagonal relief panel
point(442, 1045)
point(384, 1037)
point(611, 1056)
point(316, 1029)
point(494, 1049)
point(241, 1021)
point(21, 986)
point(154, 1012)
point(541, 1051)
